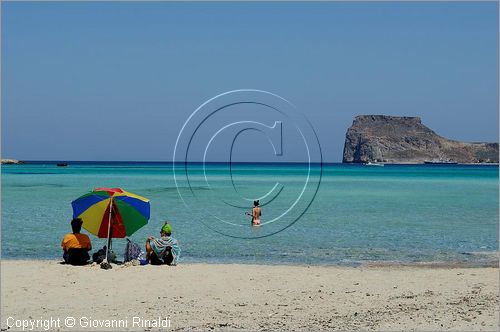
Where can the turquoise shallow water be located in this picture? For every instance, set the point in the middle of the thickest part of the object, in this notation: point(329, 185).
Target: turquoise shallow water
point(393, 214)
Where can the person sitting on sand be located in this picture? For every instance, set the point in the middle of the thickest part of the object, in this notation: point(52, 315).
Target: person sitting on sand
point(163, 250)
point(256, 213)
point(75, 245)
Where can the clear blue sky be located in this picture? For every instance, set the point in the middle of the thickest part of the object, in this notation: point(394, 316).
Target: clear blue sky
point(116, 81)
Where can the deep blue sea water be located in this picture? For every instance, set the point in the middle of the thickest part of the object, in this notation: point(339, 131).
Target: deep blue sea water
point(391, 214)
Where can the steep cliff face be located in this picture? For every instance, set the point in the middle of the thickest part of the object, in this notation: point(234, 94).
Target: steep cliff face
point(398, 139)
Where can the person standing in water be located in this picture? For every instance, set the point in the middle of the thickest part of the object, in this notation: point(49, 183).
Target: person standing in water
point(256, 213)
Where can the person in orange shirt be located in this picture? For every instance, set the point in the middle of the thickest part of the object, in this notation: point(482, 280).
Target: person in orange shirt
point(75, 245)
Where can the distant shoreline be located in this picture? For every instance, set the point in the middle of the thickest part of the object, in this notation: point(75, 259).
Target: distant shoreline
point(114, 162)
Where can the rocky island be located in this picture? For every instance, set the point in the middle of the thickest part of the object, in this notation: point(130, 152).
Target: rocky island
point(11, 161)
point(402, 139)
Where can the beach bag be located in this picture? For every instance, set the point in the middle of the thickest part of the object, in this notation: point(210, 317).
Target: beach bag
point(100, 255)
point(132, 251)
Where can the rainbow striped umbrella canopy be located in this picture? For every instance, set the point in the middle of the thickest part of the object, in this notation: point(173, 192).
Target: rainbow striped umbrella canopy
point(129, 212)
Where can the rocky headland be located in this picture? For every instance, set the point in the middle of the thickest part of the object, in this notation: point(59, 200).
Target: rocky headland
point(11, 161)
point(401, 139)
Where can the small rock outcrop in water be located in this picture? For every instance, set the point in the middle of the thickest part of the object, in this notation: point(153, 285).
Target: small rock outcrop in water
point(401, 139)
point(11, 161)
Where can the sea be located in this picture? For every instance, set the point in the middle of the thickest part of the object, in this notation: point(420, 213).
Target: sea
point(318, 214)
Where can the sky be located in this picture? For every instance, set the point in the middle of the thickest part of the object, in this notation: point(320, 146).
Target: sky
point(116, 81)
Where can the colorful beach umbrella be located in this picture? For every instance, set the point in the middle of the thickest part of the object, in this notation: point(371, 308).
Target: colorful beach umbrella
point(111, 212)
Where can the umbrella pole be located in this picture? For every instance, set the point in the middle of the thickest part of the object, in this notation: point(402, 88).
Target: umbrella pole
point(109, 228)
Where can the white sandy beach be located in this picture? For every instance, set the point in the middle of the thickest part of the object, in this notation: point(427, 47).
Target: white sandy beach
point(252, 297)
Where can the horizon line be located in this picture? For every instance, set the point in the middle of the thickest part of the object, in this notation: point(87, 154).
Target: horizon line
point(166, 161)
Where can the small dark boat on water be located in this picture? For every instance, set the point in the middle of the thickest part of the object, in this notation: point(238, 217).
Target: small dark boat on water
point(62, 164)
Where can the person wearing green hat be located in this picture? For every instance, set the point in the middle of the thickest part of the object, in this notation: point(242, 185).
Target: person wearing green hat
point(167, 228)
point(163, 250)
